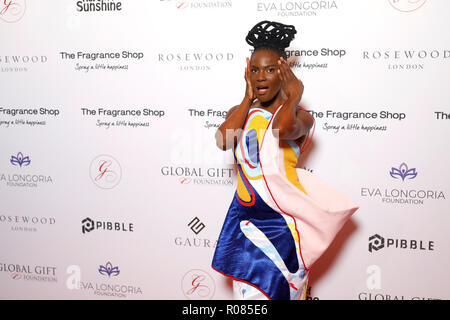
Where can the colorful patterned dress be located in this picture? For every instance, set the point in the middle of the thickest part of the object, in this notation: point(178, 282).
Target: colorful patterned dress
point(281, 218)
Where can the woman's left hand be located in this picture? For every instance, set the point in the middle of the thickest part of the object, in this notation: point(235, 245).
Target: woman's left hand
point(291, 85)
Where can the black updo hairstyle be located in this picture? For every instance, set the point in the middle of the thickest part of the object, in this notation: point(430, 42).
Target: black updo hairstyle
point(271, 35)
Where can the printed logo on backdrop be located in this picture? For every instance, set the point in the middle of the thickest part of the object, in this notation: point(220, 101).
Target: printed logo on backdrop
point(440, 115)
point(407, 59)
point(105, 171)
point(122, 117)
point(104, 61)
point(390, 296)
point(377, 243)
point(196, 225)
point(354, 122)
point(195, 61)
point(211, 176)
point(109, 286)
point(98, 5)
point(196, 4)
point(109, 270)
point(20, 160)
point(214, 117)
point(187, 240)
point(12, 11)
point(288, 8)
point(312, 58)
point(406, 191)
point(322, 57)
point(79, 9)
point(25, 116)
point(22, 175)
point(39, 273)
point(403, 172)
point(21, 62)
point(25, 223)
point(410, 59)
point(197, 284)
point(375, 291)
point(88, 225)
point(407, 5)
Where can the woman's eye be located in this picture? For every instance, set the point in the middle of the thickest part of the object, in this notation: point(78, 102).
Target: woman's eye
point(270, 70)
point(254, 70)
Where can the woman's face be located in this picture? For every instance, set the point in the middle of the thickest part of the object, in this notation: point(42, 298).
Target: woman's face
point(264, 74)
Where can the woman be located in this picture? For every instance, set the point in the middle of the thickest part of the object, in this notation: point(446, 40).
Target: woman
point(277, 225)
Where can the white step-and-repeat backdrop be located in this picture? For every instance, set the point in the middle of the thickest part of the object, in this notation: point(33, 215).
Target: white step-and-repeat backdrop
point(111, 186)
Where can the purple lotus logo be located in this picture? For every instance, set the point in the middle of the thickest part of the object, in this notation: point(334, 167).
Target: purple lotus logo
point(403, 172)
point(20, 160)
point(109, 270)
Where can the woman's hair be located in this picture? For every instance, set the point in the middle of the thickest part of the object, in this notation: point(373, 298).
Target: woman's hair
point(271, 35)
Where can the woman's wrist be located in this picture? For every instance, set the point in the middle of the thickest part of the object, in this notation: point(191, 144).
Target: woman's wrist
point(247, 102)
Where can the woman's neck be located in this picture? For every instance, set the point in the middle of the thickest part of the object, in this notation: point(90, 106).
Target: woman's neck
point(274, 103)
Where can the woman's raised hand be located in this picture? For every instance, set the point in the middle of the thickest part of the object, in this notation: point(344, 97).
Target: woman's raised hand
point(292, 86)
point(249, 93)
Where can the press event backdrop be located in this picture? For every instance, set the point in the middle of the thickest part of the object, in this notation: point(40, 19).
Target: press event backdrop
point(111, 184)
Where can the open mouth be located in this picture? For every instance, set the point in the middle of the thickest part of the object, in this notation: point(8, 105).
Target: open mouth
point(261, 90)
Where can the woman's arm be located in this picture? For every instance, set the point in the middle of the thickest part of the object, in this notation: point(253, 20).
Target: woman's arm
point(291, 122)
point(230, 130)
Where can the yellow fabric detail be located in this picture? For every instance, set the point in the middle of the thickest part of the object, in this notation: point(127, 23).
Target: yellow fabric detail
point(242, 190)
point(304, 295)
point(294, 232)
point(290, 161)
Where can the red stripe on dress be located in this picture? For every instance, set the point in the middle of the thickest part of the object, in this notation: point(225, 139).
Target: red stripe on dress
point(270, 192)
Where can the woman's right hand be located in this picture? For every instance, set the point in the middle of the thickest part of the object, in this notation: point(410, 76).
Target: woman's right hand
point(230, 130)
point(249, 93)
